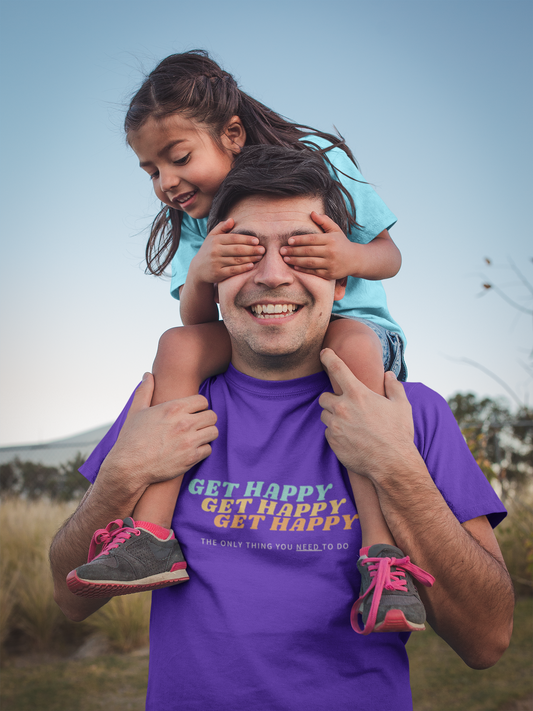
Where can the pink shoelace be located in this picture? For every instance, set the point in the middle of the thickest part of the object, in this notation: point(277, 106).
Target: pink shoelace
point(110, 538)
point(384, 578)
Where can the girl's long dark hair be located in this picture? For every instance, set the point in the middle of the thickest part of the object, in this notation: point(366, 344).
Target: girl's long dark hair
point(194, 86)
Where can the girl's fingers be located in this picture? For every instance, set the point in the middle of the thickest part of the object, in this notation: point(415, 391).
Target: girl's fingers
point(306, 262)
point(233, 238)
point(223, 227)
point(233, 261)
point(323, 273)
point(302, 240)
point(240, 250)
point(307, 251)
point(325, 222)
point(233, 270)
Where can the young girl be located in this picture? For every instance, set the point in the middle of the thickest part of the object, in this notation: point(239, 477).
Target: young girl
point(186, 124)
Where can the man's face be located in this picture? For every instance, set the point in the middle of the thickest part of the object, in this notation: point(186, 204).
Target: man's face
point(276, 317)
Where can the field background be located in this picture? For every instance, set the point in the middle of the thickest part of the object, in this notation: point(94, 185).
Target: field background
point(50, 664)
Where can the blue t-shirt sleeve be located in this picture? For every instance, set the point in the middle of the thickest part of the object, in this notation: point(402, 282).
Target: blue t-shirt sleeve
point(371, 212)
point(450, 463)
point(193, 232)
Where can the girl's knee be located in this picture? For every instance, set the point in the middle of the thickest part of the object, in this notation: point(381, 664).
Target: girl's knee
point(201, 351)
point(176, 346)
point(353, 340)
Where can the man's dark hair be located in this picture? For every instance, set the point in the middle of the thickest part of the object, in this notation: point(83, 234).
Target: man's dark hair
point(277, 171)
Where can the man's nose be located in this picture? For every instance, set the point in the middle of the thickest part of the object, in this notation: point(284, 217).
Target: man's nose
point(271, 270)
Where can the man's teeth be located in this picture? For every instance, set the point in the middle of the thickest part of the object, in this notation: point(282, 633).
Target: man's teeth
point(273, 310)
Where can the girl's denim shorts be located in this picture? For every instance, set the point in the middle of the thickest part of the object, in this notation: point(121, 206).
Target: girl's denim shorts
point(391, 344)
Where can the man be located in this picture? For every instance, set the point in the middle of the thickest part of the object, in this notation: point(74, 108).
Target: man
point(266, 516)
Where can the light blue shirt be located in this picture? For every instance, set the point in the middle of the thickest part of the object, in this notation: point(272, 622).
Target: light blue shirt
point(364, 299)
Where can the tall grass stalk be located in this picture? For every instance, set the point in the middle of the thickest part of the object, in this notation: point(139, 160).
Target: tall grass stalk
point(26, 588)
point(124, 621)
point(27, 595)
point(38, 615)
point(8, 585)
point(515, 536)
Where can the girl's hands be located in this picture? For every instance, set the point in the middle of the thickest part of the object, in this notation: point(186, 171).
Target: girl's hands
point(329, 255)
point(224, 255)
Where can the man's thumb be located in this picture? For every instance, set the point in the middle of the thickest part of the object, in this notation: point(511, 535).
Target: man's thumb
point(394, 389)
point(143, 395)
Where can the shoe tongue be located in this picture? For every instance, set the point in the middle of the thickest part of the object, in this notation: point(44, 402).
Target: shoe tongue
point(128, 522)
point(384, 550)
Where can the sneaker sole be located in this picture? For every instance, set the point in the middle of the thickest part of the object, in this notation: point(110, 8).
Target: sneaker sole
point(105, 588)
point(395, 622)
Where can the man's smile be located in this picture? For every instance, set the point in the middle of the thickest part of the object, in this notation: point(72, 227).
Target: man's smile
point(274, 311)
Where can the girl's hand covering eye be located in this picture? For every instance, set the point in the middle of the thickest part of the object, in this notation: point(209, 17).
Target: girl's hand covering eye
point(326, 255)
point(224, 254)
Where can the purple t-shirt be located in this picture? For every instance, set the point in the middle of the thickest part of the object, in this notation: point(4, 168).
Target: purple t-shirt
point(271, 535)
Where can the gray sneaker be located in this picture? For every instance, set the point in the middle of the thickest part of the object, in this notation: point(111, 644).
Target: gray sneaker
point(389, 601)
point(131, 560)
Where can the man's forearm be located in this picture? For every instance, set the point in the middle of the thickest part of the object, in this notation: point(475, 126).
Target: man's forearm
point(155, 444)
point(471, 603)
point(101, 504)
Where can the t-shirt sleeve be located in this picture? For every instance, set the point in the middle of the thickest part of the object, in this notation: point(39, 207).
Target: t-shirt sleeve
point(450, 463)
point(371, 213)
point(91, 466)
point(193, 232)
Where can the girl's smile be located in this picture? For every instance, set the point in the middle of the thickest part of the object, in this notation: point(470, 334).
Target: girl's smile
point(184, 161)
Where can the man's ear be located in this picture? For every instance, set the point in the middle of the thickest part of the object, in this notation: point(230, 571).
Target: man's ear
point(340, 289)
point(234, 135)
point(216, 294)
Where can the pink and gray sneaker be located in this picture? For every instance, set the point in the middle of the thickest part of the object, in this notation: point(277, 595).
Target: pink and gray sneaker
point(389, 600)
point(135, 556)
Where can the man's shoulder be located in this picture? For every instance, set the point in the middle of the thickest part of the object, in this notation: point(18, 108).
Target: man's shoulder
point(421, 395)
point(433, 419)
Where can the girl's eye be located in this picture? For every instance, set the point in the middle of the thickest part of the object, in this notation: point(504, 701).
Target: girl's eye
point(183, 161)
point(155, 175)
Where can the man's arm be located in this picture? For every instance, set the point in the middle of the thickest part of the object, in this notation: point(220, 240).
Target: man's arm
point(471, 603)
point(155, 444)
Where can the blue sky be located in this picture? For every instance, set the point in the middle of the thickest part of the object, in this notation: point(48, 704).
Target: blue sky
point(434, 97)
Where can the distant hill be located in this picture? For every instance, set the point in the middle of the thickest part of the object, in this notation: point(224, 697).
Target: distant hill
point(57, 452)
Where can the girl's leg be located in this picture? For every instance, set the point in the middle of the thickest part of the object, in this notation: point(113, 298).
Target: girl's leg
point(186, 356)
point(359, 347)
point(393, 603)
point(127, 563)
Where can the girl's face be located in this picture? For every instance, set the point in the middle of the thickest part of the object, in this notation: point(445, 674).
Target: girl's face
point(186, 165)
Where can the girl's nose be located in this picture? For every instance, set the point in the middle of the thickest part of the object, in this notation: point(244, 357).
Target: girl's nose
point(271, 270)
point(168, 180)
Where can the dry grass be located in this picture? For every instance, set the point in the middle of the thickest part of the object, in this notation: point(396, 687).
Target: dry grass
point(26, 586)
point(27, 605)
point(48, 683)
point(124, 621)
point(515, 536)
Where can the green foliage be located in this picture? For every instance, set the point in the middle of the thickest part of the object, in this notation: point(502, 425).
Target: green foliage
point(33, 481)
point(501, 442)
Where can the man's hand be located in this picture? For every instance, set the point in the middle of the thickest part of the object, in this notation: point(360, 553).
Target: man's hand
point(366, 431)
point(224, 254)
point(471, 604)
point(161, 442)
point(329, 255)
point(155, 444)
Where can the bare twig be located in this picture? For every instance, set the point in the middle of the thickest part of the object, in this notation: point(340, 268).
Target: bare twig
point(492, 375)
point(522, 278)
point(504, 296)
